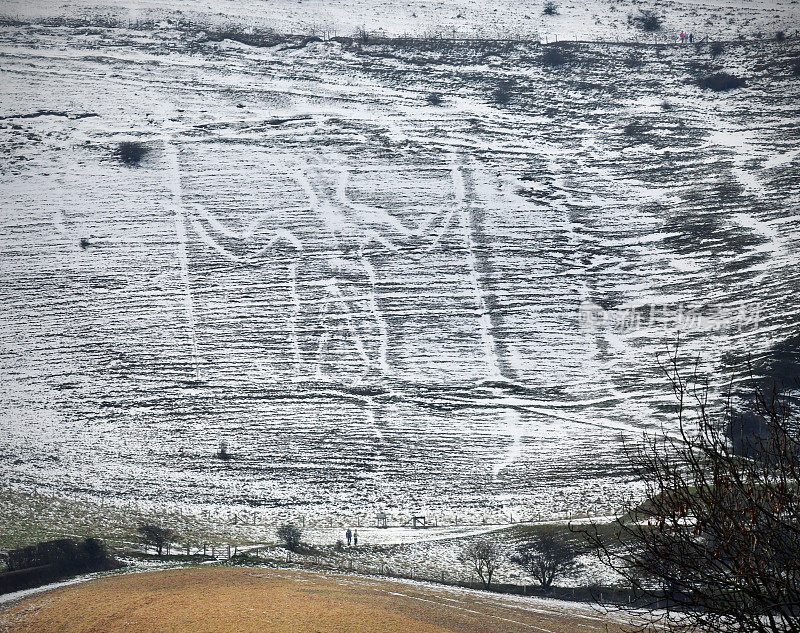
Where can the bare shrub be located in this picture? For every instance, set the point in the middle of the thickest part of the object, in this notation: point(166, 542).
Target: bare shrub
point(780, 36)
point(291, 536)
point(550, 8)
point(646, 20)
point(483, 557)
point(716, 49)
point(67, 555)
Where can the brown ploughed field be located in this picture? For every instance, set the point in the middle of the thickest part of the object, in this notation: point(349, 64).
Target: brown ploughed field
point(251, 600)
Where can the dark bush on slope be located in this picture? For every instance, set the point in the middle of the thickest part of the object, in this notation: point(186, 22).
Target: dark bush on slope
point(502, 94)
point(49, 561)
point(132, 152)
point(553, 56)
point(550, 8)
point(721, 82)
point(638, 131)
point(291, 536)
point(646, 20)
point(633, 61)
point(434, 98)
point(155, 535)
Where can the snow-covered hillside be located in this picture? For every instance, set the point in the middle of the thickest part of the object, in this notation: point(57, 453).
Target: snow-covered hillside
point(376, 301)
point(581, 19)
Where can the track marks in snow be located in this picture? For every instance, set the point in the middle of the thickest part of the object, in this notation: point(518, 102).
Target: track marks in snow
point(442, 601)
point(514, 429)
point(376, 314)
point(174, 184)
point(484, 322)
point(295, 314)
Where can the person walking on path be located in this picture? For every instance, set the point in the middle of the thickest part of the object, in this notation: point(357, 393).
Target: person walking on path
point(683, 36)
point(691, 38)
point(355, 538)
point(349, 536)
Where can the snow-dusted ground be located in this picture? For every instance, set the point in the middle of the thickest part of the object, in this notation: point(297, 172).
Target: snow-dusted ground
point(581, 19)
point(378, 303)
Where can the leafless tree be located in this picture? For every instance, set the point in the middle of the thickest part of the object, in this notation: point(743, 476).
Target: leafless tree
point(716, 543)
point(546, 556)
point(483, 557)
point(156, 536)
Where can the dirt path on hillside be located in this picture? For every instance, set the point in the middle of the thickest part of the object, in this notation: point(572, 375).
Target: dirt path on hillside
point(211, 600)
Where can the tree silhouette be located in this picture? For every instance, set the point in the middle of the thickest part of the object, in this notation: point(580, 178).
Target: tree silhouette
point(716, 543)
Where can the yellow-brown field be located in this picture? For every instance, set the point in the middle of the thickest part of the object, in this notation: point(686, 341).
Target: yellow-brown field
point(248, 600)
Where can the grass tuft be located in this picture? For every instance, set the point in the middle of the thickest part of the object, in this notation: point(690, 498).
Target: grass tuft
point(633, 60)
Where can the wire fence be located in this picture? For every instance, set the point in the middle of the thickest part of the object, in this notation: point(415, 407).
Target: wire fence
point(629, 37)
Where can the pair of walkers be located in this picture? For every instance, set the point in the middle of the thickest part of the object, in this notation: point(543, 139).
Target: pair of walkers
point(352, 537)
